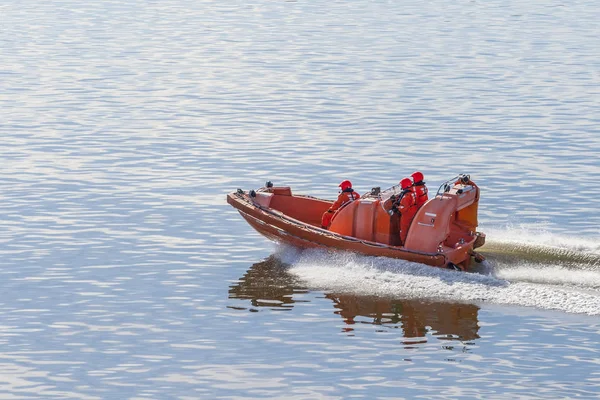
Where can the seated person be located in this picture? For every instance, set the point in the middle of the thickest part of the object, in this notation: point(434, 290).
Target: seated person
point(346, 195)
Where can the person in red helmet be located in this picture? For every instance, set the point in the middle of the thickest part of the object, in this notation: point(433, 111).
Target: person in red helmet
point(406, 205)
point(419, 188)
point(346, 195)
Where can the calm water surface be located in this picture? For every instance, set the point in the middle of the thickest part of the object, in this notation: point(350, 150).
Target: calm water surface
point(124, 273)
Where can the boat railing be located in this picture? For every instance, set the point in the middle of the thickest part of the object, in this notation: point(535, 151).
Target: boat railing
point(447, 185)
point(396, 190)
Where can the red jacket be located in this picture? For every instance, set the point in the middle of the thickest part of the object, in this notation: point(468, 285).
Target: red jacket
point(421, 193)
point(343, 198)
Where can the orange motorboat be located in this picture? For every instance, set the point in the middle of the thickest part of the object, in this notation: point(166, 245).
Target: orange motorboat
point(442, 233)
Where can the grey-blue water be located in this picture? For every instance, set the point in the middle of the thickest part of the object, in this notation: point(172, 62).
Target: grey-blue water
point(125, 275)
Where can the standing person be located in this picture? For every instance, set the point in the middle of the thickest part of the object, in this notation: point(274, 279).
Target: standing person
point(419, 188)
point(346, 195)
point(406, 204)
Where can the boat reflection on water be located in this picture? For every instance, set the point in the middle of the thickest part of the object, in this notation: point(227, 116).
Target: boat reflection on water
point(416, 317)
point(268, 284)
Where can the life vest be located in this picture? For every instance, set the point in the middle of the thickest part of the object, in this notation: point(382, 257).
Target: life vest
point(353, 195)
point(346, 196)
point(421, 193)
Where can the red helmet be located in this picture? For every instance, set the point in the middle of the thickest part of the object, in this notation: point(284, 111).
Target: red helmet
point(345, 185)
point(417, 176)
point(405, 183)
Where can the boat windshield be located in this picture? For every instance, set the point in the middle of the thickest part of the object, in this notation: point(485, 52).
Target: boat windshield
point(387, 193)
point(383, 195)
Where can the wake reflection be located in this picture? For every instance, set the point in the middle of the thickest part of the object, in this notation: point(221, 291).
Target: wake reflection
point(268, 284)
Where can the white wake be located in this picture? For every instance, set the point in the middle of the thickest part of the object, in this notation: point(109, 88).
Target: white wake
point(553, 273)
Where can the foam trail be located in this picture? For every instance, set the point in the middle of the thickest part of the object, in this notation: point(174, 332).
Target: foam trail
point(533, 255)
point(538, 236)
point(525, 244)
point(350, 273)
point(553, 275)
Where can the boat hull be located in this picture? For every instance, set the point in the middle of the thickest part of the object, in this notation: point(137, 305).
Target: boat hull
point(279, 228)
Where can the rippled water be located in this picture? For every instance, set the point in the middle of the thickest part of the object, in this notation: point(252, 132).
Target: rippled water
point(126, 275)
